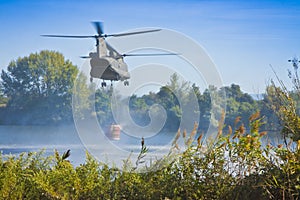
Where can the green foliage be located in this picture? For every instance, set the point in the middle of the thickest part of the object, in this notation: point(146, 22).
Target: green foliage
point(284, 179)
point(103, 106)
point(286, 103)
point(81, 96)
point(139, 110)
point(39, 87)
point(238, 104)
point(235, 165)
point(3, 100)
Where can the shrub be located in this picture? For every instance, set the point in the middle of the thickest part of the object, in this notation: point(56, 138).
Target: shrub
point(235, 165)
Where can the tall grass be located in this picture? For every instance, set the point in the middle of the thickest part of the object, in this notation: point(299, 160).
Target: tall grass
point(234, 166)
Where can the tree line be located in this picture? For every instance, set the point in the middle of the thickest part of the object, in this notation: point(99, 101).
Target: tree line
point(38, 89)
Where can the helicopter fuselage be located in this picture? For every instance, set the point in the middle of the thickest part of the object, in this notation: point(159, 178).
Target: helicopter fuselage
point(108, 68)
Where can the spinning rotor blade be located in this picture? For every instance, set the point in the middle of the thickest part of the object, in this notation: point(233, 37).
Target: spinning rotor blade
point(99, 28)
point(149, 54)
point(131, 33)
point(100, 33)
point(85, 57)
point(69, 36)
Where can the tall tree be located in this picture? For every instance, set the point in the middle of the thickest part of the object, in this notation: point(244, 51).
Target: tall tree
point(39, 87)
point(3, 100)
point(82, 94)
point(238, 104)
point(103, 106)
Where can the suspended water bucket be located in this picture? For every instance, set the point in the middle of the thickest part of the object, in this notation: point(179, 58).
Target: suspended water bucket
point(114, 132)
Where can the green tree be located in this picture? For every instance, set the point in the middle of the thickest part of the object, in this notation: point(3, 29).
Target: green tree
point(266, 107)
point(204, 102)
point(103, 106)
point(239, 104)
point(3, 100)
point(82, 92)
point(39, 87)
point(173, 97)
point(139, 110)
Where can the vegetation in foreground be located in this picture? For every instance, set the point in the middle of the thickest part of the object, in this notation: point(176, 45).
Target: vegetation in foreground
point(235, 166)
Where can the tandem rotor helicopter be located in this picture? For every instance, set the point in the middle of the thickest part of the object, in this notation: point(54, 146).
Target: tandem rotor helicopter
point(107, 63)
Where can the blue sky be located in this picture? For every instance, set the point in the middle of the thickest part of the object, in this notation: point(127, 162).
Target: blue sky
point(242, 38)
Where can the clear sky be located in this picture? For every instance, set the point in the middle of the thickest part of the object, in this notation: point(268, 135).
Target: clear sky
point(242, 37)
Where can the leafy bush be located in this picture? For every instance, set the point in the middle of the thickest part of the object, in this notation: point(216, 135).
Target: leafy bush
point(235, 165)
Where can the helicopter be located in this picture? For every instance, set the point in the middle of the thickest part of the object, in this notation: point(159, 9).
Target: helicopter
point(107, 63)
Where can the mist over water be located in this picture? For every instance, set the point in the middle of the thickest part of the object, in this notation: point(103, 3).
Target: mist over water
point(17, 139)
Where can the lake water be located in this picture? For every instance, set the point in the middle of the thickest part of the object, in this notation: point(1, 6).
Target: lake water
point(17, 139)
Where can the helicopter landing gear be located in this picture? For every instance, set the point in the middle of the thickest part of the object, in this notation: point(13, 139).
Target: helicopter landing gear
point(126, 83)
point(103, 84)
